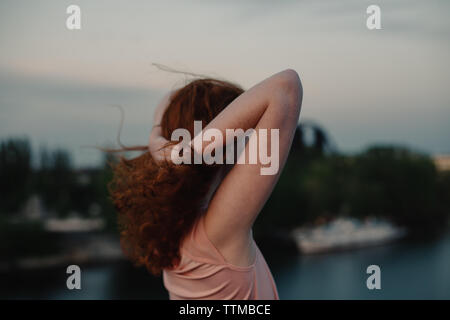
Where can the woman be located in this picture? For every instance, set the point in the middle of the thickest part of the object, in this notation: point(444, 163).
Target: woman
point(193, 222)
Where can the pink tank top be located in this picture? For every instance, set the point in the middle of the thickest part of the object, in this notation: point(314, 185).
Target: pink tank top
point(203, 273)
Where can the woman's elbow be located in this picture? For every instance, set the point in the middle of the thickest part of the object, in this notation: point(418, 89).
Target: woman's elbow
point(290, 87)
point(290, 80)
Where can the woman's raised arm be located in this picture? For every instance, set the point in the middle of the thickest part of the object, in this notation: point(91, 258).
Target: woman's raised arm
point(273, 103)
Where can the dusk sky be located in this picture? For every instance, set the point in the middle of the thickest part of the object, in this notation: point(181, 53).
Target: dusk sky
point(388, 86)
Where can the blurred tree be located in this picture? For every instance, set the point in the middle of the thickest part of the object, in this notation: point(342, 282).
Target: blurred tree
point(15, 174)
point(388, 181)
point(443, 192)
point(56, 181)
point(400, 184)
point(310, 140)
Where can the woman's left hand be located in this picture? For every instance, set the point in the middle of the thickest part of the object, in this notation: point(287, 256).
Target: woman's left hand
point(158, 145)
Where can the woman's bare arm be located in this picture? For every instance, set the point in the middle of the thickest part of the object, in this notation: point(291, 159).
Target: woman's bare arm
point(273, 103)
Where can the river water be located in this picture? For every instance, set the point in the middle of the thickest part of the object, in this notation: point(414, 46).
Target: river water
point(409, 270)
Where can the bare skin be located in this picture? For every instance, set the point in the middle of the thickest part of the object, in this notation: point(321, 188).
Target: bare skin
point(273, 103)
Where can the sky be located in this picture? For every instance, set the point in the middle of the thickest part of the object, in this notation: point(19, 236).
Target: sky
point(60, 87)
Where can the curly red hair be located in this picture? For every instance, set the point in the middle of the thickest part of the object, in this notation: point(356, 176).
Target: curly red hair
point(158, 202)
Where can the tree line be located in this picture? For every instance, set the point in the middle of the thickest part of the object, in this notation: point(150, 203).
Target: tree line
point(317, 183)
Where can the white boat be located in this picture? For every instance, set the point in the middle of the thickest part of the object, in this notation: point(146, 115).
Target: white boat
point(346, 233)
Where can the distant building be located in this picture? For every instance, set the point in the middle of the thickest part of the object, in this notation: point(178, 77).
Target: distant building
point(34, 210)
point(85, 175)
point(74, 224)
point(442, 162)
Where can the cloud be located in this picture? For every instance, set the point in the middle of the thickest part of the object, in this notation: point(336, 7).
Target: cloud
point(57, 86)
